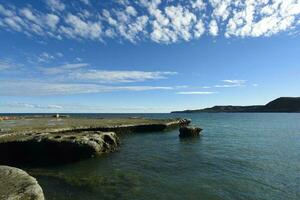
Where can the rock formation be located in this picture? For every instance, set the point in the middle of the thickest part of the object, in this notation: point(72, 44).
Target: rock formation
point(47, 148)
point(16, 184)
point(186, 131)
point(39, 142)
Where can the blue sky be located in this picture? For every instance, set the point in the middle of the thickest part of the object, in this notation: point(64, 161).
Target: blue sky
point(146, 56)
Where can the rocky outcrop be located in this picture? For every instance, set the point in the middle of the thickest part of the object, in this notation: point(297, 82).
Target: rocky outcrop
point(16, 184)
point(49, 148)
point(70, 139)
point(186, 132)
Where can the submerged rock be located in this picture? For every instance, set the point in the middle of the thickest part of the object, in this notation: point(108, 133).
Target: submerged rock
point(16, 184)
point(186, 131)
point(47, 148)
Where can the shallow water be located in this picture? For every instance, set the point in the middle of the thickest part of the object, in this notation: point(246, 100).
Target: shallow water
point(240, 156)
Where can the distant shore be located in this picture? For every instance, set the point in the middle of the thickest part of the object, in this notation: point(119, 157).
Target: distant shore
point(282, 104)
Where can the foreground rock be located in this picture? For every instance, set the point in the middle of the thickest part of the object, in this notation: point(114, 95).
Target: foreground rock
point(186, 132)
point(49, 148)
point(16, 184)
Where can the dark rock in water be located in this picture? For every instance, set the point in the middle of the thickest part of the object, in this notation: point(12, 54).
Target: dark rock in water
point(16, 184)
point(47, 149)
point(186, 131)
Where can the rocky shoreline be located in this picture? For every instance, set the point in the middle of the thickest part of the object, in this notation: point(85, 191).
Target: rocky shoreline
point(44, 141)
point(33, 142)
point(54, 148)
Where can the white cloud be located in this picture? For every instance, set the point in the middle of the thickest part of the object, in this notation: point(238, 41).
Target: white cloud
point(56, 5)
point(26, 12)
point(44, 57)
point(213, 28)
point(235, 81)
point(52, 20)
point(131, 11)
point(196, 93)
point(77, 27)
point(80, 72)
point(118, 76)
point(232, 83)
point(87, 2)
point(66, 68)
point(166, 22)
point(221, 8)
point(199, 29)
point(198, 4)
point(261, 18)
point(5, 12)
point(13, 23)
point(228, 86)
point(5, 64)
point(25, 88)
point(59, 54)
point(35, 106)
point(174, 24)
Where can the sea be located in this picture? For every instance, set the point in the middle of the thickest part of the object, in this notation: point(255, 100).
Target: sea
point(239, 156)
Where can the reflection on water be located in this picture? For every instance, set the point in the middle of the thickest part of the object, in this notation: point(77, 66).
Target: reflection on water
point(239, 156)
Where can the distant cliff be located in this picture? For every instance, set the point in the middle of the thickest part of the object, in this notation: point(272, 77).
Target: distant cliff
point(282, 104)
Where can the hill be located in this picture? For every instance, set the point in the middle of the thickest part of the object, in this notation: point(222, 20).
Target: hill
point(282, 104)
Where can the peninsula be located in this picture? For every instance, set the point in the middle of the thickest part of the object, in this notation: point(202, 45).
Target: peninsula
point(47, 140)
point(282, 104)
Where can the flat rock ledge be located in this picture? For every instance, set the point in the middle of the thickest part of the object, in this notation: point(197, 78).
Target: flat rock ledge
point(16, 184)
point(48, 148)
point(119, 126)
point(186, 132)
point(138, 128)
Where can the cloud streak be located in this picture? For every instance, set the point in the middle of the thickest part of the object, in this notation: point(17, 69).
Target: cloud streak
point(81, 72)
point(4, 65)
point(106, 76)
point(232, 83)
point(35, 88)
point(34, 106)
point(196, 93)
point(66, 68)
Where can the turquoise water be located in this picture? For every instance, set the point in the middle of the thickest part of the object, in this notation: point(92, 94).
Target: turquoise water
point(240, 156)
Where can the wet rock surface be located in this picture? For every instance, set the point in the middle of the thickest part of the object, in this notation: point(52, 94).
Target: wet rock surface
point(46, 148)
point(16, 184)
point(186, 132)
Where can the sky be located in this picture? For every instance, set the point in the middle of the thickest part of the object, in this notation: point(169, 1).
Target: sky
point(122, 56)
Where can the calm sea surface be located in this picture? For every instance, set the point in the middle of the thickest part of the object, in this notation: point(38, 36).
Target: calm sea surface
point(240, 156)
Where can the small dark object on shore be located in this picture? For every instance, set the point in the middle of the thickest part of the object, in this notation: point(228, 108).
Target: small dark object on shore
point(60, 116)
point(186, 131)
